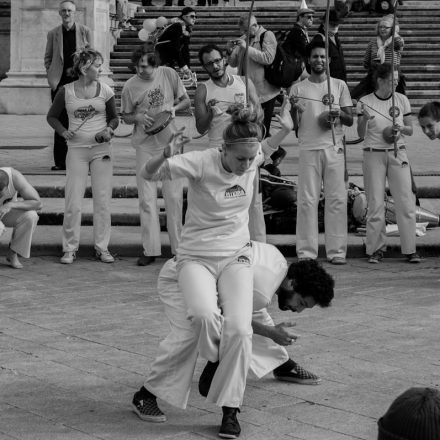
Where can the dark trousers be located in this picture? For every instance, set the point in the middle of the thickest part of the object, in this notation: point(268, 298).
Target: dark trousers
point(268, 107)
point(59, 143)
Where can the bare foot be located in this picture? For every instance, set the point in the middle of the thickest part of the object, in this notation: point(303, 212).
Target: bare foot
point(13, 260)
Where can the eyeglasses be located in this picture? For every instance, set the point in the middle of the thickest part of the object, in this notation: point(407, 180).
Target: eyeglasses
point(384, 27)
point(211, 63)
point(191, 16)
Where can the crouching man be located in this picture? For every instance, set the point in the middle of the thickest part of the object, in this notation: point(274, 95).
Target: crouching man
point(19, 202)
point(302, 285)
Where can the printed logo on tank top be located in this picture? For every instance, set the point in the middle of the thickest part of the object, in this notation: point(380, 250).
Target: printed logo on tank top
point(234, 192)
point(326, 100)
point(396, 111)
point(84, 112)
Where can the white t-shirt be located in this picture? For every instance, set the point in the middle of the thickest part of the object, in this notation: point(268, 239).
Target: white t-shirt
point(314, 97)
point(234, 93)
point(383, 118)
point(79, 109)
point(216, 221)
point(152, 96)
point(268, 264)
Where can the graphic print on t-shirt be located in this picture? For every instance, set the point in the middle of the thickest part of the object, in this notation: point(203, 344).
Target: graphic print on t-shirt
point(396, 111)
point(155, 97)
point(84, 112)
point(234, 192)
point(326, 101)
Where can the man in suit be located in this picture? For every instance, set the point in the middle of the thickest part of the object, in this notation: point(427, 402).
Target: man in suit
point(62, 42)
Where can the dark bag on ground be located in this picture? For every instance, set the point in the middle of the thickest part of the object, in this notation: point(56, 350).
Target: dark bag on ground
point(284, 69)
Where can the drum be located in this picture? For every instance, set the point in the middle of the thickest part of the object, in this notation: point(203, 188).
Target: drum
point(161, 120)
point(359, 208)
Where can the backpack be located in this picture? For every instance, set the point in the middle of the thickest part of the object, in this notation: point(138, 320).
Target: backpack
point(284, 69)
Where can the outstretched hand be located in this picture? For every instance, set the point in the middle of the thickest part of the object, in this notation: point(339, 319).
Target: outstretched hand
point(282, 335)
point(176, 143)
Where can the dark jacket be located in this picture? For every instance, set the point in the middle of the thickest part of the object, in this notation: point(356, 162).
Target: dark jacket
point(296, 42)
point(173, 45)
point(336, 54)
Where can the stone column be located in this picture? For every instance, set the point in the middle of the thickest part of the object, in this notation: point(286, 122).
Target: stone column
point(25, 90)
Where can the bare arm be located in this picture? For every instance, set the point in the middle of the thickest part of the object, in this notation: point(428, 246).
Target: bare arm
point(31, 200)
point(203, 112)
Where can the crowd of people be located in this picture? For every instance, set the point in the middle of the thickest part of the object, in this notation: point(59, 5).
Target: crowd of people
point(217, 287)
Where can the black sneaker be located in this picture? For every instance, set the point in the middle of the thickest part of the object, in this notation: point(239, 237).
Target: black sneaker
point(206, 377)
point(413, 258)
point(230, 427)
point(145, 260)
point(145, 406)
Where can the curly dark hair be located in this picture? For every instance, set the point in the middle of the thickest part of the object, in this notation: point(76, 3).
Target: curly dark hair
point(430, 110)
point(313, 45)
point(146, 49)
point(311, 279)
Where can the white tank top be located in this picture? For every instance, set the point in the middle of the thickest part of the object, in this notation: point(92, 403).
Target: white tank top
point(235, 93)
point(9, 193)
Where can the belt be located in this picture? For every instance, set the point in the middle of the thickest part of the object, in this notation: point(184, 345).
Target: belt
point(402, 147)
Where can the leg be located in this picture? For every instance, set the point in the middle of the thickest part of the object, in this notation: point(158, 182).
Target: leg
point(235, 289)
point(399, 179)
point(172, 192)
point(59, 143)
point(76, 180)
point(23, 224)
point(149, 216)
point(172, 370)
point(257, 226)
point(309, 189)
point(268, 107)
point(101, 172)
point(374, 168)
point(199, 290)
point(335, 216)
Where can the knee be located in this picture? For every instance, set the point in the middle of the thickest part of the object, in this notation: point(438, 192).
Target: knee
point(237, 327)
point(30, 217)
point(204, 317)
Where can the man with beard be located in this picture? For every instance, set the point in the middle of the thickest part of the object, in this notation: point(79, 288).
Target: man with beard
point(321, 160)
point(300, 286)
point(211, 102)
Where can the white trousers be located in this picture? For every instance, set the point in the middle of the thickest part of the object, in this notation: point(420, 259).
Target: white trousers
point(218, 292)
point(79, 161)
point(172, 191)
point(23, 224)
point(317, 167)
point(172, 371)
point(377, 167)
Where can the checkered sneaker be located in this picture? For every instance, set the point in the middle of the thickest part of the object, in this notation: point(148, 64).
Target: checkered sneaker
point(146, 408)
point(298, 375)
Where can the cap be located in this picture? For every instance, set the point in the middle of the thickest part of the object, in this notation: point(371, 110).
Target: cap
point(303, 9)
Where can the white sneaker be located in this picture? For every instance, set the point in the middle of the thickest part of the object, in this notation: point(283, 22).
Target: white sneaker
point(105, 256)
point(68, 258)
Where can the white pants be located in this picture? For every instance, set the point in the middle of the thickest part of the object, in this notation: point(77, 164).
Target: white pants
point(317, 167)
point(23, 224)
point(79, 161)
point(218, 292)
point(377, 167)
point(172, 191)
point(257, 226)
point(173, 369)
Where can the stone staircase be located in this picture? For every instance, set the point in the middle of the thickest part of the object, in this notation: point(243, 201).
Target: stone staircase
point(418, 25)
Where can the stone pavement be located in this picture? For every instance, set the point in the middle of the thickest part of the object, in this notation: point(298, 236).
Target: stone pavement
point(76, 342)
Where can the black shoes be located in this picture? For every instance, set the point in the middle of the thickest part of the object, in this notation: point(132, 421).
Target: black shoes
point(145, 406)
point(143, 260)
point(206, 377)
point(230, 427)
point(58, 168)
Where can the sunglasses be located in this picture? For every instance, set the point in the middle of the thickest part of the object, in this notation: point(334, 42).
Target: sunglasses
point(191, 16)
